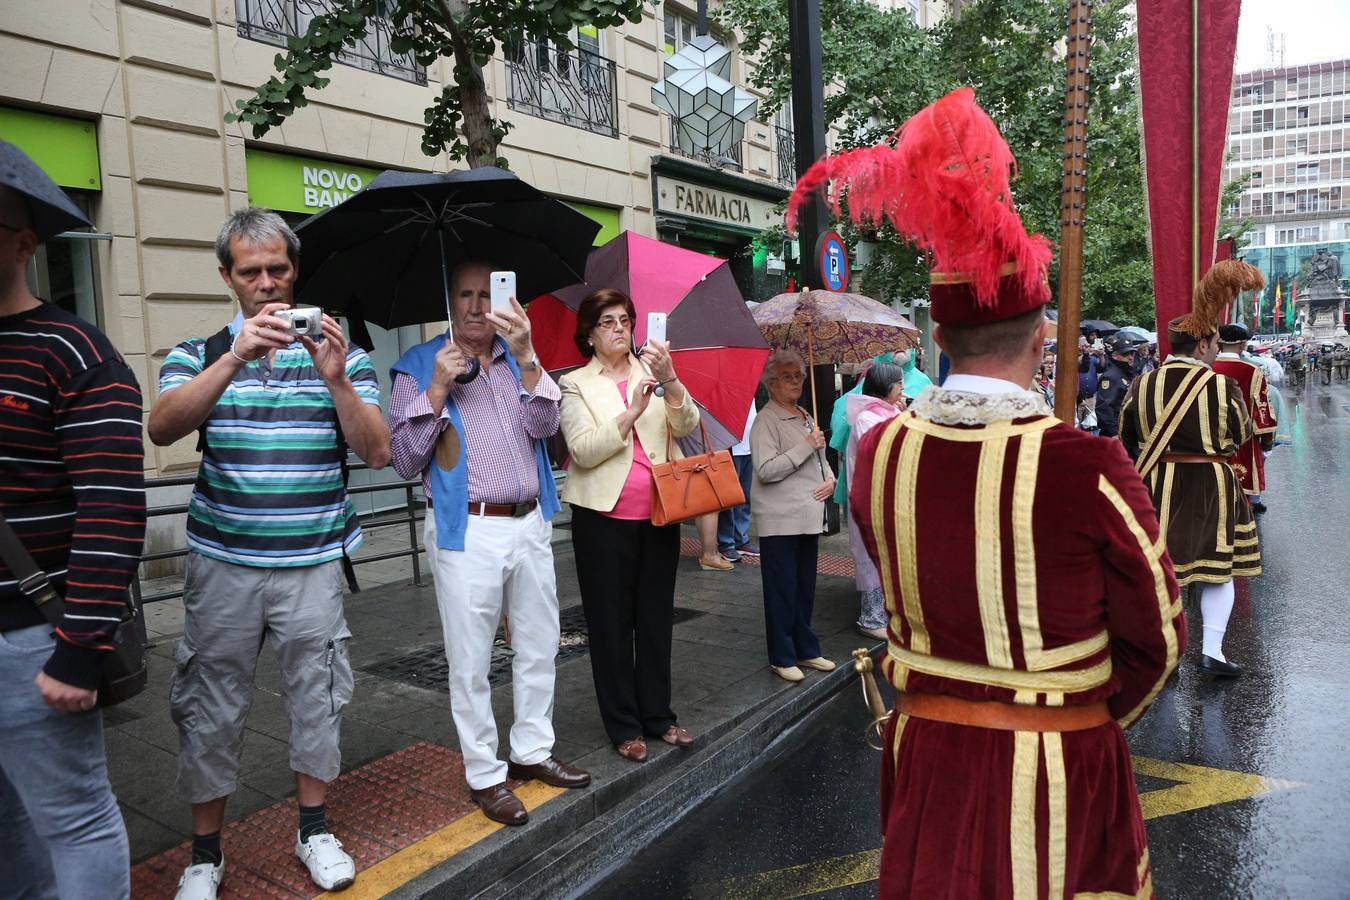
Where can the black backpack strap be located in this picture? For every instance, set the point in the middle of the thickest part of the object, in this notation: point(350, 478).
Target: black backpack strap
point(217, 345)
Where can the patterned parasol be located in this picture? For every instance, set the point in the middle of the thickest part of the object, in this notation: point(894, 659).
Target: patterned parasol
point(825, 327)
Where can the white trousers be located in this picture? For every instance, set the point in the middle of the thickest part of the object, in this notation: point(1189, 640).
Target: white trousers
point(503, 559)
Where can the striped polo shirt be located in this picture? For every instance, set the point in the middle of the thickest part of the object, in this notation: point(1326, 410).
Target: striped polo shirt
point(269, 490)
point(72, 481)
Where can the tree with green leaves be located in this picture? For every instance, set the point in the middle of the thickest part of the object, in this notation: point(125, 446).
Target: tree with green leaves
point(460, 121)
point(880, 69)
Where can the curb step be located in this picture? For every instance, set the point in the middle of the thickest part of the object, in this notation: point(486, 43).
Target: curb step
point(572, 842)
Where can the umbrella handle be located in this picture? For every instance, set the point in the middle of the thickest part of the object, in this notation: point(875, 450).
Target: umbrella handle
point(471, 373)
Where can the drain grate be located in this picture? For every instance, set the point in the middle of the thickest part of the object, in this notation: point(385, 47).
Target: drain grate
point(426, 667)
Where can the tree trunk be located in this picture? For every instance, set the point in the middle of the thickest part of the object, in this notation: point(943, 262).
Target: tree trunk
point(475, 106)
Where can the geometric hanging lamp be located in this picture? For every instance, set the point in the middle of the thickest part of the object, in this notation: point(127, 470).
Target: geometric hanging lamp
point(697, 93)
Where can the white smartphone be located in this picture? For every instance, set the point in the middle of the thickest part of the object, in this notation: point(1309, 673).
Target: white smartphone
point(503, 289)
point(656, 327)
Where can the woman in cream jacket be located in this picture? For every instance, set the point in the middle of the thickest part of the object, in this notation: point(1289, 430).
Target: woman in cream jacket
point(615, 429)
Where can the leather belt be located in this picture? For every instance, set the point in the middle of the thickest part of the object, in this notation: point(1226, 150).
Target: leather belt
point(1002, 716)
point(1196, 458)
point(508, 510)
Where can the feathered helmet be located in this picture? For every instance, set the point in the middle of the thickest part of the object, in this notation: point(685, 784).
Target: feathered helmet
point(1215, 291)
point(942, 181)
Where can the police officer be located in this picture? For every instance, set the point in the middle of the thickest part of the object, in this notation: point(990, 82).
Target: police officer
point(1324, 363)
point(1114, 381)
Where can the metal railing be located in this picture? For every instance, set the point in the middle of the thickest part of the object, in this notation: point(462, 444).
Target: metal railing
point(785, 151)
point(410, 515)
point(574, 87)
point(732, 159)
point(273, 21)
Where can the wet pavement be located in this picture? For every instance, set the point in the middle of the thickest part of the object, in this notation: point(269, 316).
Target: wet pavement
point(1245, 784)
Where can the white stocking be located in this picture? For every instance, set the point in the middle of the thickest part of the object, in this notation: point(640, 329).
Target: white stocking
point(1216, 604)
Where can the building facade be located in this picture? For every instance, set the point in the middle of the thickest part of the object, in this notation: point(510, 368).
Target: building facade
point(1289, 136)
point(122, 102)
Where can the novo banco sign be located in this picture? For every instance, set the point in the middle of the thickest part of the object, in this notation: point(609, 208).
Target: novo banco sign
point(297, 184)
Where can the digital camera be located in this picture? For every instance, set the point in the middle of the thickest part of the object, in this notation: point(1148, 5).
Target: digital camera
point(303, 320)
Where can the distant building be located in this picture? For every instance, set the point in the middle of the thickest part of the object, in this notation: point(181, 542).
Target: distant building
point(1289, 129)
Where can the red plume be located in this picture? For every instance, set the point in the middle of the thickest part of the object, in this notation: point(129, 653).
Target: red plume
point(945, 187)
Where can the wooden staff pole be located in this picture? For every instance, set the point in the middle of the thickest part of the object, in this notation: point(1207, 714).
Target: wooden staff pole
point(1072, 209)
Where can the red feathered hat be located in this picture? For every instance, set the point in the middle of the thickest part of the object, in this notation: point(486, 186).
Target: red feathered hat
point(943, 183)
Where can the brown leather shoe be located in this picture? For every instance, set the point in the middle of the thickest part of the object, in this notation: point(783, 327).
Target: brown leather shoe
point(551, 771)
point(500, 805)
point(636, 750)
point(677, 737)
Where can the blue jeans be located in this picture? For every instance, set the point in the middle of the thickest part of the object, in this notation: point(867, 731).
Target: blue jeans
point(733, 525)
point(61, 833)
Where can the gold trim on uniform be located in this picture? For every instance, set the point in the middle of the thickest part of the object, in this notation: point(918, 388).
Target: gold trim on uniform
point(1165, 602)
point(1022, 821)
point(989, 554)
point(1221, 542)
point(1024, 548)
point(906, 487)
point(990, 432)
point(1058, 819)
point(1074, 681)
point(1070, 653)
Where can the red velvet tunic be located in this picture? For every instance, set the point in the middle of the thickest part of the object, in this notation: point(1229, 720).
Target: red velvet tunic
point(1021, 562)
point(1250, 464)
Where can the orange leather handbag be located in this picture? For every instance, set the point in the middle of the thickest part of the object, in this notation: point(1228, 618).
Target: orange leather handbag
point(703, 483)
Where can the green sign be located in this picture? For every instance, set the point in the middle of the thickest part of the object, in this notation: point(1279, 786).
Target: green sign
point(299, 184)
point(66, 149)
point(607, 216)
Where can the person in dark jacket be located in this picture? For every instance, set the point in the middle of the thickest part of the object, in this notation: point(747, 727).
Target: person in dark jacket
point(1114, 382)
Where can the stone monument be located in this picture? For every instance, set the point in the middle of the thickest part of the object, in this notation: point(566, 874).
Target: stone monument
point(1321, 304)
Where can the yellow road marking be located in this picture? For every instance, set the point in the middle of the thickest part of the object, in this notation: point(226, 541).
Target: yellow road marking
point(1200, 786)
point(417, 858)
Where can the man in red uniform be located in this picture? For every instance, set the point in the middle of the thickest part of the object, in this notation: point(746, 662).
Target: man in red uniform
point(1032, 609)
point(1250, 463)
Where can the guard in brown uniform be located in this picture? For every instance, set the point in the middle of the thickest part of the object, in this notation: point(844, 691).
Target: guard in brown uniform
point(1183, 424)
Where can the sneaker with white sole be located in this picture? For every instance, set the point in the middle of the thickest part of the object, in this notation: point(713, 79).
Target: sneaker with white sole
point(329, 867)
point(200, 881)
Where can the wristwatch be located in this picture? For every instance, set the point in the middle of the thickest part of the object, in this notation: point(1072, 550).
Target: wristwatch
point(532, 365)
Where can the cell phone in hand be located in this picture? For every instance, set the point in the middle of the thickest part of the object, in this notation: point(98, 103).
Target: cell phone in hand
point(503, 289)
point(656, 327)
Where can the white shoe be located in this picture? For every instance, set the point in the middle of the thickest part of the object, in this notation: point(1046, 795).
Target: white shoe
point(788, 673)
point(200, 882)
point(329, 867)
point(819, 663)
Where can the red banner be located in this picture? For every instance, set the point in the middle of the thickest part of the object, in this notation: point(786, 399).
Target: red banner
point(1165, 81)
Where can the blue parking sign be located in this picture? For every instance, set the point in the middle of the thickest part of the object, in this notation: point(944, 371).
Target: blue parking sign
point(833, 258)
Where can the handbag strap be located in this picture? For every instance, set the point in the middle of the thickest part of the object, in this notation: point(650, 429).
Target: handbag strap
point(33, 582)
point(670, 437)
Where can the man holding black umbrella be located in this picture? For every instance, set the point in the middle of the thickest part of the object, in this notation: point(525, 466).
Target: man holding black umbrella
point(72, 490)
point(479, 446)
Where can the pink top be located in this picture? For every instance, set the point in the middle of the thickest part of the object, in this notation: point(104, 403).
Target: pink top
point(635, 500)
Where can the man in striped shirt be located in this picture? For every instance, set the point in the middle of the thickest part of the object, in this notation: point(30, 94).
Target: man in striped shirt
point(268, 523)
point(72, 487)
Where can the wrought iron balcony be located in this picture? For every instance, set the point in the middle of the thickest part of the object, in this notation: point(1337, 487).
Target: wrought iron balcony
point(785, 151)
point(732, 159)
point(273, 21)
point(574, 87)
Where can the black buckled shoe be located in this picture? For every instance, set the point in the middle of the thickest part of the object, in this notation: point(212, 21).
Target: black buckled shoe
point(1217, 668)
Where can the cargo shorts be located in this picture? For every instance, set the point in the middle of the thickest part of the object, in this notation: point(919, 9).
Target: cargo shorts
point(230, 609)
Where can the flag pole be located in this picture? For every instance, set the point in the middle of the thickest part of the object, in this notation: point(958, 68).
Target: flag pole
point(1073, 204)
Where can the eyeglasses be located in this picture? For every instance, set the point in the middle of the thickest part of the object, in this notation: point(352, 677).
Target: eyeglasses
point(609, 323)
point(794, 378)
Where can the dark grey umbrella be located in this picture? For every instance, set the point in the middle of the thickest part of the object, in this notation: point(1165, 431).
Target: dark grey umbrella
point(50, 211)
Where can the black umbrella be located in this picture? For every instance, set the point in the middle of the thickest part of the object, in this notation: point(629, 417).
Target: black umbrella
point(50, 211)
point(1101, 326)
point(384, 255)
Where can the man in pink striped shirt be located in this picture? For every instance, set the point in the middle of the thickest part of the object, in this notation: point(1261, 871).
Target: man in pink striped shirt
point(479, 447)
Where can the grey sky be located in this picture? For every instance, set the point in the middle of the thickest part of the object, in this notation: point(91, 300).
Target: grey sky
point(1314, 31)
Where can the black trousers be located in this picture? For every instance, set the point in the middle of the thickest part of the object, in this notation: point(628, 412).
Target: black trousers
point(626, 570)
point(787, 567)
